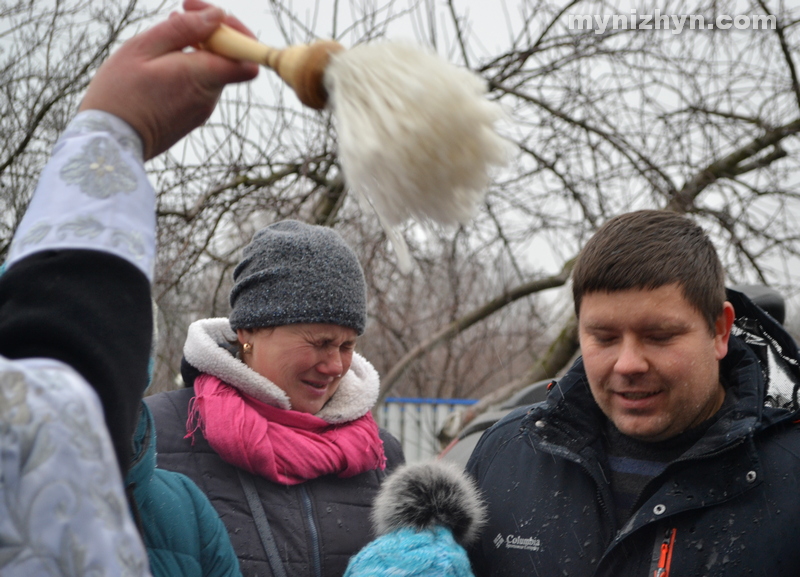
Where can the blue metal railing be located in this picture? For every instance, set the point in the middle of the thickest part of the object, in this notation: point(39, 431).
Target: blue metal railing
point(427, 401)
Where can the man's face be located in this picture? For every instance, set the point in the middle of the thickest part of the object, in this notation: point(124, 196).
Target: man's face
point(651, 361)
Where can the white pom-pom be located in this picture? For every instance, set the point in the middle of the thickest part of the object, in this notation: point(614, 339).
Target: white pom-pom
point(416, 134)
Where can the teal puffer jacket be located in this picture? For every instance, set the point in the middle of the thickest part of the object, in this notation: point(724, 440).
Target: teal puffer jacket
point(182, 531)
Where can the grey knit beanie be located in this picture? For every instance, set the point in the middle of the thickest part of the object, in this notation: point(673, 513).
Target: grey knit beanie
point(294, 272)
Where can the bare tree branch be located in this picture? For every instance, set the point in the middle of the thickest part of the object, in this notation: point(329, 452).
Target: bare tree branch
point(787, 53)
point(561, 351)
point(730, 166)
point(449, 331)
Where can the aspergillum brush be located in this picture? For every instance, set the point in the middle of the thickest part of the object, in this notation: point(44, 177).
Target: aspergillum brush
point(416, 134)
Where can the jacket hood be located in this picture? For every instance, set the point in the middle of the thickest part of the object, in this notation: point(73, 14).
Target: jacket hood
point(761, 369)
point(206, 351)
point(775, 350)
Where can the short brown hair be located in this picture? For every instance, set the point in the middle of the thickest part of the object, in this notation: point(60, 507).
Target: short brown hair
point(648, 249)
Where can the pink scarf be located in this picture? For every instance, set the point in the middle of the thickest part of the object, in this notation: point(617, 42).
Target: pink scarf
point(286, 447)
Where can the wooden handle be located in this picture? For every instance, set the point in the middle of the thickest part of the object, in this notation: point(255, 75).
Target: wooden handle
point(237, 46)
point(302, 66)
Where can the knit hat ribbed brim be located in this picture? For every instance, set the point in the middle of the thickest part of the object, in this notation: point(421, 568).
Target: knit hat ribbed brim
point(412, 553)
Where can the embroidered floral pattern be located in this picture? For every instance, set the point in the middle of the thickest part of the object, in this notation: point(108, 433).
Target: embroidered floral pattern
point(13, 395)
point(86, 124)
point(35, 235)
point(90, 121)
point(99, 170)
point(80, 430)
point(132, 241)
point(78, 202)
point(83, 226)
point(62, 508)
point(86, 226)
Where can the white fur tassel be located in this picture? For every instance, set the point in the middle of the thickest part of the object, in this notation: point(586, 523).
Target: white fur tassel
point(395, 236)
point(416, 134)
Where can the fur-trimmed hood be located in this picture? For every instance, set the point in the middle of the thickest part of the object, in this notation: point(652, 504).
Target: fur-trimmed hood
point(422, 496)
point(205, 351)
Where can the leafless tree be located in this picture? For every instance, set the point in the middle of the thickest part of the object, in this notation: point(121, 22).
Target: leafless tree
point(48, 52)
point(703, 122)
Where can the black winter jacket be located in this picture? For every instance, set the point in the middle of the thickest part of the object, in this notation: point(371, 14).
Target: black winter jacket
point(728, 506)
point(317, 525)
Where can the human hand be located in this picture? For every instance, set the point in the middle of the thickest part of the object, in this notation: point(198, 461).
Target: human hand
point(160, 90)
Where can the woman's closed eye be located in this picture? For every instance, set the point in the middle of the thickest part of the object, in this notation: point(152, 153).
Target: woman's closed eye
point(345, 347)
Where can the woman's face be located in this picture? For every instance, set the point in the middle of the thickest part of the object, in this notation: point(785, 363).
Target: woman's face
point(307, 361)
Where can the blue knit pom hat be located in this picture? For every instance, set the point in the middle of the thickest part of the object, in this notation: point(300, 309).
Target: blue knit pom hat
point(424, 514)
point(408, 552)
point(294, 272)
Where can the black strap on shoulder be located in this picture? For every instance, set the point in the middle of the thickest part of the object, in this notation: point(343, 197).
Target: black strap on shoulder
point(262, 525)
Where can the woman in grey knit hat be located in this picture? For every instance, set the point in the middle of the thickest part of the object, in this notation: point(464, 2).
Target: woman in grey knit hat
point(275, 424)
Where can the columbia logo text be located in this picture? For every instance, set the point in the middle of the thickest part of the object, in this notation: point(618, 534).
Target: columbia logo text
point(516, 542)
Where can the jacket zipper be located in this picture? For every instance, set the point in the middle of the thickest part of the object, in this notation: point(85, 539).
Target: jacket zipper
point(316, 554)
point(600, 481)
point(665, 559)
point(561, 451)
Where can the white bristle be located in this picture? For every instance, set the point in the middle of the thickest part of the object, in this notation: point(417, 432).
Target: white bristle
point(416, 134)
point(404, 263)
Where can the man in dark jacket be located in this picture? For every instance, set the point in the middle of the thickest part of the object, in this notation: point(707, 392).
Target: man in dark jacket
point(671, 447)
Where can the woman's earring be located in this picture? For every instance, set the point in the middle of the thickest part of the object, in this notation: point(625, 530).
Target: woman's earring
point(247, 348)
